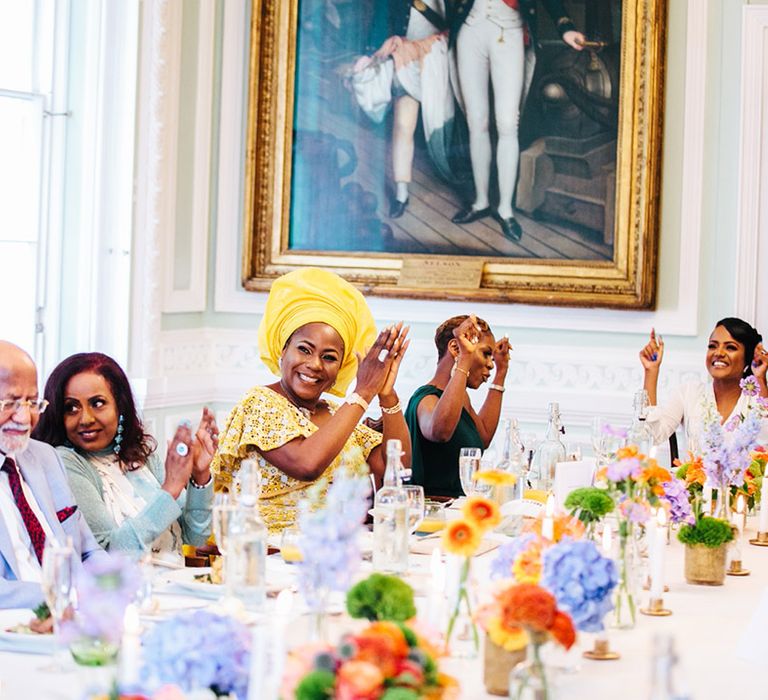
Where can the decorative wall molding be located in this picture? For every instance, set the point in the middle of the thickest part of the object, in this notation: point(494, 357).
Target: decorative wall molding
point(193, 297)
point(679, 319)
point(155, 163)
point(752, 227)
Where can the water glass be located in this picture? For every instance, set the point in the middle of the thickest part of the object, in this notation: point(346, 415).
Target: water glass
point(469, 464)
point(289, 545)
point(415, 506)
point(248, 482)
point(434, 518)
point(58, 584)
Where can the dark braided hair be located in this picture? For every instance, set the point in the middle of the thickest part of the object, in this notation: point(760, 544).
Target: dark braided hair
point(444, 332)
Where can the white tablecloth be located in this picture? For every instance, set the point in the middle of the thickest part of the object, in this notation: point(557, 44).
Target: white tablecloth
point(707, 622)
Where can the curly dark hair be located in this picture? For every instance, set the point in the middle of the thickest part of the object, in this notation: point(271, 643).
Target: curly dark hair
point(444, 332)
point(745, 334)
point(136, 446)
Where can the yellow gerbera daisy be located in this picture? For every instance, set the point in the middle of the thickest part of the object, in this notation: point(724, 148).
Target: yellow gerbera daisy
point(481, 512)
point(461, 537)
point(510, 640)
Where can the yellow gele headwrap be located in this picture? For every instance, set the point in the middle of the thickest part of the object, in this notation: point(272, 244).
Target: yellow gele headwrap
point(312, 295)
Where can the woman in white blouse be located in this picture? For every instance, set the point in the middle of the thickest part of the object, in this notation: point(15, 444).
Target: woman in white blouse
point(735, 351)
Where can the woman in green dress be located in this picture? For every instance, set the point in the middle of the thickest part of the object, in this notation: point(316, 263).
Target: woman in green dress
point(440, 416)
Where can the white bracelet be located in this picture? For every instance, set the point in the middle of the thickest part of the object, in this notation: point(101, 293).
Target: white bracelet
point(497, 387)
point(355, 398)
point(201, 486)
point(391, 410)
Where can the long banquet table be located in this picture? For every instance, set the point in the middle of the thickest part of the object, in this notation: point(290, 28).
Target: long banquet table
point(708, 624)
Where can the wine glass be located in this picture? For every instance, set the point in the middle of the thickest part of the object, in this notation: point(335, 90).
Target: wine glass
point(415, 506)
point(469, 464)
point(222, 514)
point(58, 584)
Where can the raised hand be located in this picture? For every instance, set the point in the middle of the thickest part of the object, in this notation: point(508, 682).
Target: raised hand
point(653, 352)
point(204, 447)
point(760, 363)
point(468, 334)
point(178, 460)
point(501, 356)
point(395, 356)
point(373, 368)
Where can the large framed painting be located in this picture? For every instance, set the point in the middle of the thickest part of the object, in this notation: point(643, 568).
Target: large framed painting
point(493, 150)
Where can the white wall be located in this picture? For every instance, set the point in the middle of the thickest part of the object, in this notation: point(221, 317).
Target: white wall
point(193, 329)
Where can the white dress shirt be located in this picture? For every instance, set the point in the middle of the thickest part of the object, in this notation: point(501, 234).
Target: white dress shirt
point(26, 559)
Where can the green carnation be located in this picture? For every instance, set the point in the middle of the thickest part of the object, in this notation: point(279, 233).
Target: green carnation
point(381, 597)
point(589, 503)
point(711, 532)
point(316, 685)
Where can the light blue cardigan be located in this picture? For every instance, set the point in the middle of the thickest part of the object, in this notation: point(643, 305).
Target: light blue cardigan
point(192, 508)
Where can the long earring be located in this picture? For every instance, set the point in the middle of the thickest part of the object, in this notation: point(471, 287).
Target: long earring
point(119, 436)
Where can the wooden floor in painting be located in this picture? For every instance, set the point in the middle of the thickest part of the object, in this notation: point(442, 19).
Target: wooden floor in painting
point(426, 226)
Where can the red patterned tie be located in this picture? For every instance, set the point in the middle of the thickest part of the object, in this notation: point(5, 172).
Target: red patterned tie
point(34, 528)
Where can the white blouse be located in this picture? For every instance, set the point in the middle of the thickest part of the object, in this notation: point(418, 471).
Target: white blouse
point(693, 404)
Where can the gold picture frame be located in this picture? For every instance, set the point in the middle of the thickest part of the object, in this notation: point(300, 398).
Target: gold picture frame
point(627, 280)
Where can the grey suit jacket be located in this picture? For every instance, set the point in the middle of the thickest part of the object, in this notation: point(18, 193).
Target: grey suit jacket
point(44, 473)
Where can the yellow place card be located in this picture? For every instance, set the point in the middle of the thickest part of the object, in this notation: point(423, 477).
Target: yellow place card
point(435, 273)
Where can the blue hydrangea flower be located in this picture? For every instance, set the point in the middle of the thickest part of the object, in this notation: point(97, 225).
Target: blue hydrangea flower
point(581, 579)
point(196, 651)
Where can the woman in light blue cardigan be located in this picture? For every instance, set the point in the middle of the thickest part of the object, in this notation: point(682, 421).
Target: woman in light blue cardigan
point(131, 499)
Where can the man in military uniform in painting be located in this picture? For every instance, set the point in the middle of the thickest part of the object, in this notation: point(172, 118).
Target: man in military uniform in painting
point(490, 39)
point(414, 20)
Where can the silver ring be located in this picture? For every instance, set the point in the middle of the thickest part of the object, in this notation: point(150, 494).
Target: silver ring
point(182, 450)
point(383, 355)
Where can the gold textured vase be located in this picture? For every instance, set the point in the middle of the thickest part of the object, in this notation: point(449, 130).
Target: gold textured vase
point(497, 665)
point(705, 565)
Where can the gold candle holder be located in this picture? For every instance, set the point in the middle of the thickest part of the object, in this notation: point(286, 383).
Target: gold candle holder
point(736, 569)
point(656, 608)
point(761, 540)
point(601, 651)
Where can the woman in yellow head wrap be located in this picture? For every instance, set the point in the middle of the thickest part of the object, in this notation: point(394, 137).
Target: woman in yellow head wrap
point(317, 334)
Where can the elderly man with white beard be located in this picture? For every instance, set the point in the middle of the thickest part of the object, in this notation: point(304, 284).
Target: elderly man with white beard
point(36, 503)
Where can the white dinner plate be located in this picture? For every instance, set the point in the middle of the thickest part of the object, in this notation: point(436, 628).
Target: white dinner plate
point(21, 643)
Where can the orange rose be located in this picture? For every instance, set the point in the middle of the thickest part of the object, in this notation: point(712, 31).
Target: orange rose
point(383, 645)
point(461, 537)
point(481, 512)
point(528, 606)
point(562, 630)
point(358, 680)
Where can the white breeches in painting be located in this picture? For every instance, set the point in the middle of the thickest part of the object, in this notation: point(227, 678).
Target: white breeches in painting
point(481, 55)
point(404, 127)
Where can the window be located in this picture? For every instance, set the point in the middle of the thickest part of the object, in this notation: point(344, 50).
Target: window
point(28, 44)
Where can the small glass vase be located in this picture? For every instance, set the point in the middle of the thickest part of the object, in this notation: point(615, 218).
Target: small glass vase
point(626, 593)
point(96, 660)
point(317, 603)
point(531, 680)
point(462, 639)
point(724, 501)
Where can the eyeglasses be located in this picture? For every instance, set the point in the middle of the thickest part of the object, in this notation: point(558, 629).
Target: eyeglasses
point(15, 405)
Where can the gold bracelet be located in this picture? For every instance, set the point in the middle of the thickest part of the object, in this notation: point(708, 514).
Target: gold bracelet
point(460, 369)
point(355, 398)
point(391, 410)
point(497, 387)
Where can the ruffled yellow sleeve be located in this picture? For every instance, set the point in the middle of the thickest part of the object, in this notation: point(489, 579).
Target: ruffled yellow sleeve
point(366, 439)
point(264, 420)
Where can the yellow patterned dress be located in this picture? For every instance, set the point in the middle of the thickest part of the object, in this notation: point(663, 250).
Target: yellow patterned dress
point(267, 420)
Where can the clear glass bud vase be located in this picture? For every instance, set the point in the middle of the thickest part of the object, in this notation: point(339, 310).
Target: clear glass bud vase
point(627, 592)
